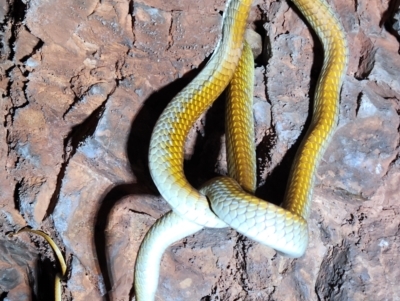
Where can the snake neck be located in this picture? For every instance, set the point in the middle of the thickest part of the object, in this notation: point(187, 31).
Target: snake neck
point(326, 105)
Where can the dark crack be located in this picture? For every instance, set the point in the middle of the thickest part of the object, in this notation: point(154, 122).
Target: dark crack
point(75, 138)
point(332, 275)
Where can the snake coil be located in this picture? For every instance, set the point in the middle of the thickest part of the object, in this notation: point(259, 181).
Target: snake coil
point(232, 204)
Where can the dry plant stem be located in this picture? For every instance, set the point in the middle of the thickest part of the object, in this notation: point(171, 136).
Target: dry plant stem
point(60, 258)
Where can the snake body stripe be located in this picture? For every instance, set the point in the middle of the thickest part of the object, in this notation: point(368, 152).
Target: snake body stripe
point(284, 229)
point(326, 105)
point(239, 123)
point(169, 135)
point(171, 227)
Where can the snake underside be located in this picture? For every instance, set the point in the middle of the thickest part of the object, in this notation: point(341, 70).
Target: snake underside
point(232, 203)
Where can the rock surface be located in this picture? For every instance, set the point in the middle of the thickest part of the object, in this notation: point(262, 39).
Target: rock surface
point(82, 84)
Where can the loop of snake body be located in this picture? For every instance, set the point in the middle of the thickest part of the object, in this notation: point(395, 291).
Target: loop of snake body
point(231, 200)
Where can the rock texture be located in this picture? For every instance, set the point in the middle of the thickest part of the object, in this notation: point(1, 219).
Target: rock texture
point(82, 84)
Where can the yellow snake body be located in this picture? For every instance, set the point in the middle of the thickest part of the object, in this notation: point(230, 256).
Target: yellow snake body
point(169, 135)
point(239, 123)
point(282, 228)
point(326, 104)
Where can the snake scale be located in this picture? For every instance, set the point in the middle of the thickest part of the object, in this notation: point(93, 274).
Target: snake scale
point(228, 201)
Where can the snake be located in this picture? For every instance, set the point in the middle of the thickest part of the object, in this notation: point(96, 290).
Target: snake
point(229, 201)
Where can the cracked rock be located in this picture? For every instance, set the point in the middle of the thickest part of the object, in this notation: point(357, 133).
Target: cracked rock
point(79, 100)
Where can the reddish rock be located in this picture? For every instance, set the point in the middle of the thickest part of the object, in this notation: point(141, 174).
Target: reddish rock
point(82, 86)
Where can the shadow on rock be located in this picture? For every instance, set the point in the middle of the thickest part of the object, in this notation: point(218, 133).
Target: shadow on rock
point(198, 169)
